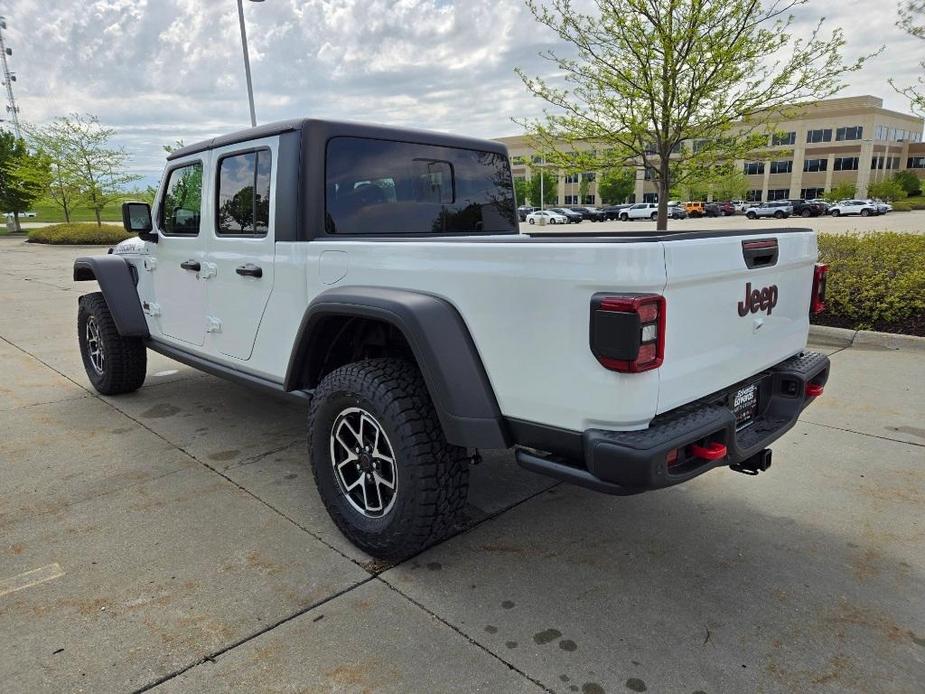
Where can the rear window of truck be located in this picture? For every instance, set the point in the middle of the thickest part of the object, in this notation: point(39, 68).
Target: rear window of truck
point(385, 187)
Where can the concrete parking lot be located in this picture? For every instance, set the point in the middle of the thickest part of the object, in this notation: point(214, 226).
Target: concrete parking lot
point(908, 222)
point(172, 539)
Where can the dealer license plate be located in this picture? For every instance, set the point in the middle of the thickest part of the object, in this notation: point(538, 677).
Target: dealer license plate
point(745, 405)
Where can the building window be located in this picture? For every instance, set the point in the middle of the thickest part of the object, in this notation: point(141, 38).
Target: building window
point(571, 178)
point(876, 162)
point(812, 193)
point(892, 162)
point(589, 200)
point(589, 176)
point(846, 164)
point(753, 196)
point(819, 135)
point(650, 197)
point(698, 145)
point(778, 194)
point(781, 166)
point(571, 199)
point(850, 133)
point(753, 168)
point(915, 163)
point(778, 139)
point(880, 133)
point(811, 165)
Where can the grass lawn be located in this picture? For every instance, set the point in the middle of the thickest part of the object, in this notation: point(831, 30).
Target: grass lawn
point(47, 211)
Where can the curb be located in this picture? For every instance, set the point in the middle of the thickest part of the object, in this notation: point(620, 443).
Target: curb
point(844, 337)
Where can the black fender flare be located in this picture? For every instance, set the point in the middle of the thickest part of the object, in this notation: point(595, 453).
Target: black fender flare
point(117, 282)
point(441, 344)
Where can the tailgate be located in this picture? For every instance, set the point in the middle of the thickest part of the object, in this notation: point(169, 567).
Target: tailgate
point(708, 344)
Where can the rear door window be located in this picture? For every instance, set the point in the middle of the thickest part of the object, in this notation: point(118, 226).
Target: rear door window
point(385, 187)
point(243, 207)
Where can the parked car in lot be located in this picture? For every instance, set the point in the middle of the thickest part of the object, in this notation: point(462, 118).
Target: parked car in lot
point(676, 212)
point(524, 210)
point(712, 209)
point(740, 206)
point(882, 207)
point(641, 210)
point(546, 217)
point(26, 215)
point(726, 208)
point(572, 216)
point(694, 208)
point(282, 272)
point(865, 208)
point(612, 212)
point(592, 213)
point(807, 208)
point(779, 209)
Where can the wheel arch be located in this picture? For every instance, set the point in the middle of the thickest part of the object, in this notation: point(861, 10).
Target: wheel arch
point(117, 283)
point(437, 338)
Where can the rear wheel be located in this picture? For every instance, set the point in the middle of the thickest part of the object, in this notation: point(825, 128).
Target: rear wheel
point(865, 213)
point(778, 215)
point(114, 364)
point(653, 216)
point(531, 220)
point(835, 213)
point(751, 215)
point(384, 470)
point(805, 213)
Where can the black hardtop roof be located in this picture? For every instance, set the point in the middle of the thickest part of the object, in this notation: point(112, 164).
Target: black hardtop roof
point(315, 127)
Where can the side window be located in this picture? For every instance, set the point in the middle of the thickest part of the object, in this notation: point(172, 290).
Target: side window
point(181, 206)
point(244, 194)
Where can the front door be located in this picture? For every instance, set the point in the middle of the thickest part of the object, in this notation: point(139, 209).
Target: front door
point(179, 304)
point(241, 245)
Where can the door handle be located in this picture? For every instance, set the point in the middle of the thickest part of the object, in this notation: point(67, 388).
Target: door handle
point(191, 265)
point(249, 270)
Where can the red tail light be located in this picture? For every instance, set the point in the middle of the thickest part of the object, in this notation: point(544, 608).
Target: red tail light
point(817, 301)
point(628, 331)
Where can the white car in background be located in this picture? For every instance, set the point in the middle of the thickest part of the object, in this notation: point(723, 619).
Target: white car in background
point(547, 216)
point(865, 208)
point(641, 210)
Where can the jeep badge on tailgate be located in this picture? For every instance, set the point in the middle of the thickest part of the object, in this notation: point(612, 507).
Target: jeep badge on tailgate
point(764, 299)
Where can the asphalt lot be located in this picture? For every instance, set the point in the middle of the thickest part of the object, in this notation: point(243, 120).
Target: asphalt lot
point(908, 222)
point(172, 538)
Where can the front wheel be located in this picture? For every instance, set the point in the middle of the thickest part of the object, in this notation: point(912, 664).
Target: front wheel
point(865, 213)
point(389, 479)
point(114, 364)
point(778, 215)
point(624, 217)
point(653, 216)
point(805, 213)
point(835, 213)
point(751, 215)
point(531, 221)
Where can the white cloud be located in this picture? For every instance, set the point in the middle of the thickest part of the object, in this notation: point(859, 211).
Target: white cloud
point(159, 70)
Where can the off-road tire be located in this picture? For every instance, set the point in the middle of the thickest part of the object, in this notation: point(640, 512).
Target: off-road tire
point(125, 359)
point(432, 475)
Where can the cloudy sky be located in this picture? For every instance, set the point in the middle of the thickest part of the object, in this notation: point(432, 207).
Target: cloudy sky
point(161, 70)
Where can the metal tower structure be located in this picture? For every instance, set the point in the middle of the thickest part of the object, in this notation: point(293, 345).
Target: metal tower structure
point(8, 78)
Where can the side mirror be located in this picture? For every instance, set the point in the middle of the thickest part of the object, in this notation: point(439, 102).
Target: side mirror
point(136, 218)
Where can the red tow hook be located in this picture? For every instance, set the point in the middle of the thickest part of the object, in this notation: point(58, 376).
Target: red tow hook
point(813, 390)
point(712, 451)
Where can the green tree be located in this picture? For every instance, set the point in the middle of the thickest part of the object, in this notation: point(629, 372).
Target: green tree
point(644, 77)
point(887, 189)
point(520, 190)
point(912, 21)
point(843, 191)
point(64, 186)
point(550, 188)
point(584, 185)
point(86, 167)
point(616, 185)
point(24, 175)
point(910, 183)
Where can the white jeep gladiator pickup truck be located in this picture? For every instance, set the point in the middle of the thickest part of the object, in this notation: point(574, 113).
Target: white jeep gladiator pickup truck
point(379, 275)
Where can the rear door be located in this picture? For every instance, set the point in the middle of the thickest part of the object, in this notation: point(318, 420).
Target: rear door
point(736, 305)
point(241, 245)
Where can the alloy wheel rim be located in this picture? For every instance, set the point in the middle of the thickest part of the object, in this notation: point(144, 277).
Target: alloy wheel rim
point(364, 462)
point(94, 346)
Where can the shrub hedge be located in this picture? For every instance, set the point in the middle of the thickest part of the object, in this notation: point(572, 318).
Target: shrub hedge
point(78, 234)
point(876, 281)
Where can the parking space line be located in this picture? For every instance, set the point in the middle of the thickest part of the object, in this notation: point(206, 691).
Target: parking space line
point(30, 578)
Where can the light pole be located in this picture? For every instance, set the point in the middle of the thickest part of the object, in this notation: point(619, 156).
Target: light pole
point(247, 62)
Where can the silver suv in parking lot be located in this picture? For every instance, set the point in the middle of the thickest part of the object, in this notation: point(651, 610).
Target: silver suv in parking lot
point(774, 208)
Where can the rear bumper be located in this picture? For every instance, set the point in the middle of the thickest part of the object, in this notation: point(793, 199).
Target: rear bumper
point(629, 462)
